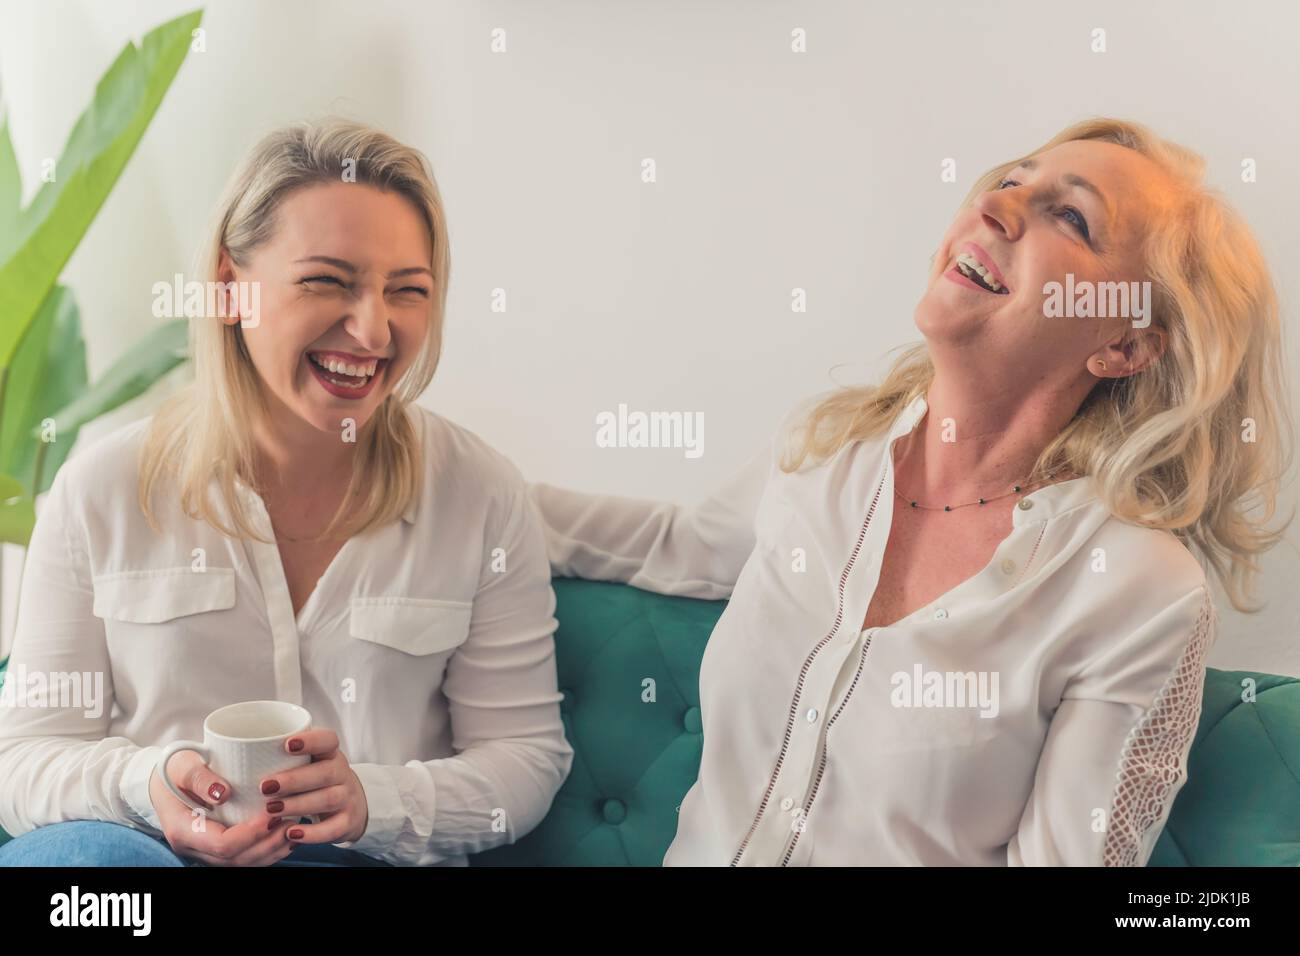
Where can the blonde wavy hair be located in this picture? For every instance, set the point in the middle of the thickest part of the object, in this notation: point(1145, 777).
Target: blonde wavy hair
point(202, 434)
point(1164, 446)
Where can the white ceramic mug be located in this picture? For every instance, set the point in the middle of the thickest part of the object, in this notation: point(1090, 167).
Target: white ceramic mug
point(242, 744)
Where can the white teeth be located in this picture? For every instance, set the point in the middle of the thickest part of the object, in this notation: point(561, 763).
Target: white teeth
point(345, 368)
point(971, 264)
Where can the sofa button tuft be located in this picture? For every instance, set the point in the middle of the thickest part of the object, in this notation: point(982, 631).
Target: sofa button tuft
point(691, 720)
point(614, 811)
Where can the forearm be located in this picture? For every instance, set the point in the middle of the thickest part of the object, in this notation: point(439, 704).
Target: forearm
point(49, 780)
point(657, 546)
point(422, 813)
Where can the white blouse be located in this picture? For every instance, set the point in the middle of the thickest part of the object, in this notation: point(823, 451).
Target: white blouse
point(1039, 713)
point(427, 646)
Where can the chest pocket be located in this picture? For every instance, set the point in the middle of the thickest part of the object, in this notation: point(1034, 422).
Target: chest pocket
point(411, 625)
point(157, 596)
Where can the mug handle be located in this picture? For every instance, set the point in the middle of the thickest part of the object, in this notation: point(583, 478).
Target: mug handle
point(170, 751)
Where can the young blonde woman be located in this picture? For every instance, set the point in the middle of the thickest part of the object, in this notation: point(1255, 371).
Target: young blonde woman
point(966, 624)
point(294, 527)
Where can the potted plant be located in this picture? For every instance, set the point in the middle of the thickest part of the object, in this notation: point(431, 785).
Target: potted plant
point(45, 394)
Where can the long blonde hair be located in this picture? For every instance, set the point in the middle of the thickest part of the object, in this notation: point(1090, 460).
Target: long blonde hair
point(1165, 446)
point(202, 434)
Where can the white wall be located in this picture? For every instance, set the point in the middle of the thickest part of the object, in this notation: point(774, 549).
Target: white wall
point(775, 170)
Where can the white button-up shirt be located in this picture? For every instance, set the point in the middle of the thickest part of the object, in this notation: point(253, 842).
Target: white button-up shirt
point(1040, 712)
point(427, 646)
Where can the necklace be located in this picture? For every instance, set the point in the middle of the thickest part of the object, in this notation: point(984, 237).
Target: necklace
point(281, 536)
point(1014, 490)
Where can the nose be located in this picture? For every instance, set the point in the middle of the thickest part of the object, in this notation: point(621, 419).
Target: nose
point(1002, 212)
point(367, 323)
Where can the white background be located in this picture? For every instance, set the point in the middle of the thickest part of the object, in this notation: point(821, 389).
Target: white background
point(775, 170)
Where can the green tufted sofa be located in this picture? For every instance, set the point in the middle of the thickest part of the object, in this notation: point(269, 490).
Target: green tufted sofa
point(634, 760)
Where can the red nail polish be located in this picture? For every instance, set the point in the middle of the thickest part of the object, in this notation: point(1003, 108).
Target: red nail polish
point(295, 834)
point(295, 745)
point(271, 786)
point(275, 806)
point(216, 791)
point(271, 825)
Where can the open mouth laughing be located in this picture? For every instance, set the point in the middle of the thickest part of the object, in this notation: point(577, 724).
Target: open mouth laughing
point(973, 267)
point(345, 375)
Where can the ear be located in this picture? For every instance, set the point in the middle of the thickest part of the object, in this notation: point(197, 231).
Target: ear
point(1128, 354)
point(1143, 353)
point(227, 274)
point(226, 270)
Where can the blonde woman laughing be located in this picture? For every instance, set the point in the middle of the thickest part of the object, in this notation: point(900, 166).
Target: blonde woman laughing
point(293, 527)
point(968, 623)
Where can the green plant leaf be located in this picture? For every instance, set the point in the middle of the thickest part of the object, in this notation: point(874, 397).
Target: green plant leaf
point(97, 150)
point(17, 513)
point(146, 361)
point(11, 184)
point(49, 371)
point(17, 521)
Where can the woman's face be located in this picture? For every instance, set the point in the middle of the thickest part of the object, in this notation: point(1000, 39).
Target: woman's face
point(1040, 224)
point(346, 299)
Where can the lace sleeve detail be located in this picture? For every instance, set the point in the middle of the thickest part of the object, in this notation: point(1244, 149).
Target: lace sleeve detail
point(1153, 762)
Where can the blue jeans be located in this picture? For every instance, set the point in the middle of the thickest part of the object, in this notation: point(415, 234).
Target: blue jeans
point(99, 843)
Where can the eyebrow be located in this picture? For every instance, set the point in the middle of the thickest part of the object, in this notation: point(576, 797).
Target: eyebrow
point(1073, 180)
point(352, 270)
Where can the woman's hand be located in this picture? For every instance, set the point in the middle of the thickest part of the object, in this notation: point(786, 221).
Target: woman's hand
point(256, 842)
point(327, 787)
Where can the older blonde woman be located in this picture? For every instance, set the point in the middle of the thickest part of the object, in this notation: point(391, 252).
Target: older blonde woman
point(304, 532)
point(967, 624)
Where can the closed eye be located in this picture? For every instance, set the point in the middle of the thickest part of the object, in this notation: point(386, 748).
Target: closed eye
point(323, 278)
point(334, 280)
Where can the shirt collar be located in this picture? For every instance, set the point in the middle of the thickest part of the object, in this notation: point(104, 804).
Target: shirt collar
point(1045, 503)
point(409, 514)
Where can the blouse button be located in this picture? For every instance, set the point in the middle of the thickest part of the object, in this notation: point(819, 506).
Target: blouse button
point(812, 715)
point(1025, 504)
point(787, 803)
point(1008, 566)
point(940, 614)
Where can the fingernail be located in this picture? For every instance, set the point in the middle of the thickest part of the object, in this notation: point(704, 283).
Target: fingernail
point(216, 791)
point(271, 786)
point(295, 834)
point(271, 825)
point(275, 806)
point(295, 745)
